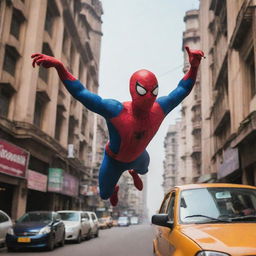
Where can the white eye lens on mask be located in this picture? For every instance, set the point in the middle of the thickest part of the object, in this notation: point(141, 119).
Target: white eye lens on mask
point(140, 90)
point(155, 91)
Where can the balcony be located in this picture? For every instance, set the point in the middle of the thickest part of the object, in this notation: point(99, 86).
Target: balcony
point(220, 111)
point(196, 126)
point(243, 24)
point(196, 151)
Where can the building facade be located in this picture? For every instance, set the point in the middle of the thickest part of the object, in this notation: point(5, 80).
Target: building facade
point(228, 37)
point(131, 202)
point(172, 174)
point(46, 136)
point(190, 144)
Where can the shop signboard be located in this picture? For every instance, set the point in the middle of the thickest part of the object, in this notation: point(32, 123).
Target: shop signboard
point(13, 159)
point(87, 190)
point(37, 181)
point(55, 180)
point(230, 162)
point(70, 185)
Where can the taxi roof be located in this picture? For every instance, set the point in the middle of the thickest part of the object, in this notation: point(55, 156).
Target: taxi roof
point(214, 185)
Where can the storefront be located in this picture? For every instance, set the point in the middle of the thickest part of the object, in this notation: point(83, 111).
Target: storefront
point(246, 142)
point(13, 174)
point(64, 189)
point(229, 169)
point(37, 192)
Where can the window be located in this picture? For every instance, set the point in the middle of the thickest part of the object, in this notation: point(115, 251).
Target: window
point(39, 109)
point(10, 60)
point(43, 72)
point(251, 72)
point(171, 207)
point(93, 217)
point(71, 130)
point(16, 23)
point(86, 216)
point(49, 21)
point(72, 56)
point(82, 150)
point(65, 43)
point(84, 121)
point(164, 204)
point(5, 98)
point(3, 218)
point(58, 125)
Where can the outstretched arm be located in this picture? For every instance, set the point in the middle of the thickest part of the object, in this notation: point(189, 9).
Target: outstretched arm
point(185, 85)
point(107, 108)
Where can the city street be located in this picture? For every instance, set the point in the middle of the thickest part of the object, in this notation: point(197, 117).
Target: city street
point(126, 241)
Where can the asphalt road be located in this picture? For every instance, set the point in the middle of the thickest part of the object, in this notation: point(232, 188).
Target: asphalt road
point(134, 240)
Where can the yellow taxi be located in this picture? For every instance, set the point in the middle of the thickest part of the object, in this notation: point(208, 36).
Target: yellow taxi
point(207, 220)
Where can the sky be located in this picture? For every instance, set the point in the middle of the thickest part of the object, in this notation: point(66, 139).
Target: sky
point(144, 34)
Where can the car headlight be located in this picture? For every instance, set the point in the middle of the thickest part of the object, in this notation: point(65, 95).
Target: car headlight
point(70, 229)
point(45, 230)
point(211, 253)
point(10, 231)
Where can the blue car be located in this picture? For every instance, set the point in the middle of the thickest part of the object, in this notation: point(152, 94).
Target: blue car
point(40, 229)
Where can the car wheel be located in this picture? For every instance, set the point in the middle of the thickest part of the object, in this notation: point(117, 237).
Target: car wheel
point(79, 237)
point(62, 242)
point(51, 243)
point(97, 233)
point(88, 235)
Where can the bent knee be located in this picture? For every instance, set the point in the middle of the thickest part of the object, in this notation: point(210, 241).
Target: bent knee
point(105, 195)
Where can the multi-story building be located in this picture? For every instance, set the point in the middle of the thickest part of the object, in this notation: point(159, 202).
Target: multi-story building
point(131, 202)
point(171, 175)
point(93, 201)
point(45, 135)
point(190, 144)
point(228, 33)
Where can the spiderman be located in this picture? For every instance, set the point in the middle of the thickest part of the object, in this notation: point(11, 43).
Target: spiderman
point(131, 124)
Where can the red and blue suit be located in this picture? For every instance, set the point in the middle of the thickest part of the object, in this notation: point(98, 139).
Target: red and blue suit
point(131, 124)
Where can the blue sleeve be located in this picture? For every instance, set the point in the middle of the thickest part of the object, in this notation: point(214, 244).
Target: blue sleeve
point(183, 89)
point(107, 108)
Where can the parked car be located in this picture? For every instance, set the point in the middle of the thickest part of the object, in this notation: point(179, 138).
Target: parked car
point(123, 221)
point(103, 223)
point(35, 230)
point(5, 224)
point(77, 225)
point(94, 222)
point(207, 219)
point(115, 223)
point(109, 221)
point(134, 220)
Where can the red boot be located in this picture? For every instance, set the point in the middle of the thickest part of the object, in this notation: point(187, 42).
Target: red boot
point(114, 197)
point(136, 180)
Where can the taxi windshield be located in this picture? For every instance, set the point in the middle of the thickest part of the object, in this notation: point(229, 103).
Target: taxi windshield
point(222, 204)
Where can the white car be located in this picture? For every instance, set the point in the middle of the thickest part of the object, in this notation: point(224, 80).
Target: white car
point(123, 221)
point(5, 224)
point(94, 222)
point(134, 220)
point(77, 225)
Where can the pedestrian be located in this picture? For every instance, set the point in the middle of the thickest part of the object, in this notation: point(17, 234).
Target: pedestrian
point(131, 124)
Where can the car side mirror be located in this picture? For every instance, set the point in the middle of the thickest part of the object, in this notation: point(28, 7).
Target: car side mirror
point(162, 220)
point(84, 219)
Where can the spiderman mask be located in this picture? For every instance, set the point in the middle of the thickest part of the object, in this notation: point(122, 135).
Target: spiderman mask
point(143, 90)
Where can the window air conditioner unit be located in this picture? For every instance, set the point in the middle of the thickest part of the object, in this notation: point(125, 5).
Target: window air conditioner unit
point(71, 151)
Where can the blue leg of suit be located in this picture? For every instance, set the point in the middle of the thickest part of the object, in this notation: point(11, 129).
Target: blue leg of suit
point(111, 170)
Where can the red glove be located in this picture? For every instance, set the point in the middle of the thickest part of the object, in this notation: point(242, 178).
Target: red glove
point(45, 60)
point(49, 62)
point(194, 56)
